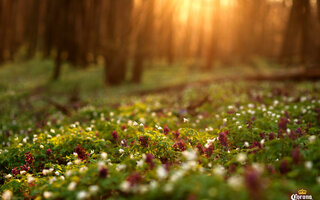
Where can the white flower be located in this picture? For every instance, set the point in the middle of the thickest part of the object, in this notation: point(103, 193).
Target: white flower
point(176, 175)
point(69, 163)
point(125, 186)
point(121, 167)
point(57, 173)
point(7, 195)
point(225, 120)
point(121, 151)
point(312, 138)
point(22, 172)
point(47, 195)
point(31, 179)
point(168, 187)
point(153, 184)
point(88, 129)
point(239, 127)
point(241, 157)
point(219, 170)
point(41, 146)
point(82, 195)
point(143, 189)
point(246, 144)
point(135, 123)
point(62, 178)
point(8, 176)
point(45, 172)
point(308, 165)
point(162, 172)
point(185, 120)
point(72, 186)
point(104, 155)
point(94, 189)
point(235, 181)
point(140, 163)
point(77, 162)
point(190, 155)
point(83, 169)
point(68, 173)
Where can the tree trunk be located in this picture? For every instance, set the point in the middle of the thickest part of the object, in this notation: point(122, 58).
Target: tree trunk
point(297, 32)
point(144, 41)
point(213, 46)
point(118, 38)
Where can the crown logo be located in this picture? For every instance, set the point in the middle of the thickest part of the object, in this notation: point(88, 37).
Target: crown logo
point(302, 191)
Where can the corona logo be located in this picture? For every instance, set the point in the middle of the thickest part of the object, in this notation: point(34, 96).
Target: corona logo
point(302, 194)
point(302, 191)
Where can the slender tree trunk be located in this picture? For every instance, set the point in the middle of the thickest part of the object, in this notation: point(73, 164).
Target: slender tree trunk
point(213, 46)
point(297, 32)
point(144, 41)
point(117, 50)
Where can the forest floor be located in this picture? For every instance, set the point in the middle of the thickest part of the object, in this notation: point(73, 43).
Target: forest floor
point(229, 139)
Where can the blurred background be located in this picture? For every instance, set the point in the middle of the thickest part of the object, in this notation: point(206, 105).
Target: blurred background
point(126, 38)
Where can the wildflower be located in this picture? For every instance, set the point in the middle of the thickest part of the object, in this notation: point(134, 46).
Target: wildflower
point(49, 152)
point(8, 176)
point(124, 143)
point(162, 172)
point(81, 152)
point(140, 163)
point(235, 181)
point(296, 155)
point(283, 123)
point(125, 186)
point(149, 160)
point(7, 195)
point(31, 179)
point(312, 138)
point(253, 182)
point(180, 145)
point(185, 120)
point(246, 144)
point(144, 141)
point(190, 155)
point(15, 171)
point(115, 136)
point(94, 189)
point(29, 158)
point(241, 157)
point(82, 195)
point(176, 134)
point(200, 148)
point(121, 151)
point(104, 155)
point(47, 195)
point(223, 139)
point(25, 168)
point(134, 179)
point(219, 170)
point(166, 130)
point(271, 136)
point(72, 186)
point(284, 167)
point(308, 165)
point(209, 151)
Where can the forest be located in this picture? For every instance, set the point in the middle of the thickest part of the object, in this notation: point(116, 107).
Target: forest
point(155, 99)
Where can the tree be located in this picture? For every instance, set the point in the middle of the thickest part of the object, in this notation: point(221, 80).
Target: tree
point(297, 32)
point(118, 38)
point(213, 44)
point(144, 40)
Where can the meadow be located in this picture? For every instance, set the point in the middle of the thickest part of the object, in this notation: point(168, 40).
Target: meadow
point(78, 139)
